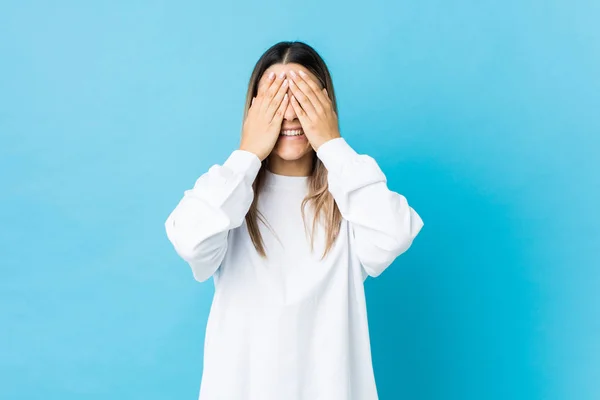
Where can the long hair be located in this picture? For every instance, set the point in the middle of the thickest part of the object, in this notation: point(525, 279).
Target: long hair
point(322, 202)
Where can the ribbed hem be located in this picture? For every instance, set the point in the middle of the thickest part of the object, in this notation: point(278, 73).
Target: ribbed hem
point(244, 162)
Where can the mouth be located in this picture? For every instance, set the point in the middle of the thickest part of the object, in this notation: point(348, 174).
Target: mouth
point(291, 133)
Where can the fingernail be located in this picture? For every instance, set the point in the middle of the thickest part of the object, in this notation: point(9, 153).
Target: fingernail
point(271, 75)
point(302, 73)
point(281, 75)
point(293, 73)
point(285, 82)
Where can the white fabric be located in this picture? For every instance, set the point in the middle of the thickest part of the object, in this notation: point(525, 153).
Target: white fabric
point(290, 327)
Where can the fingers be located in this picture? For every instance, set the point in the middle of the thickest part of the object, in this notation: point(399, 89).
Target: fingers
point(328, 99)
point(278, 117)
point(318, 92)
point(275, 102)
point(271, 90)
point(264, 83)
point(300, 113)
point(302, 100)
point(305, 96)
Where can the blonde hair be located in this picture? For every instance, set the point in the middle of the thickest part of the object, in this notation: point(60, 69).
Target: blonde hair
point(324, 206)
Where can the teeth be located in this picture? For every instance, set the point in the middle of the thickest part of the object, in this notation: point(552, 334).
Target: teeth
point(295, 132)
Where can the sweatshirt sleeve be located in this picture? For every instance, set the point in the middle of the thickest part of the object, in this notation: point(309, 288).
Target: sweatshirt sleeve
point(199, 225)
point(383, 224)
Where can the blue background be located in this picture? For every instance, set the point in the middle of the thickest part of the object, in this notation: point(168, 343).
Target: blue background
point(485, 114)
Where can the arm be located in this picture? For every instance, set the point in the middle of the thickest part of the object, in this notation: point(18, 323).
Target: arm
point(383, 224)
point(220, 199)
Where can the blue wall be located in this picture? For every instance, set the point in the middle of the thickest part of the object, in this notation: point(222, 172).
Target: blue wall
point(484, 114)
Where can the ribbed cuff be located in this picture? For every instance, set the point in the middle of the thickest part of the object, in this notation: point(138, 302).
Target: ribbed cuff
point(335, 152)
point(244, 162)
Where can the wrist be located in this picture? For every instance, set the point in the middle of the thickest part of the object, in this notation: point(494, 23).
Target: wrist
point(322, 142)
point(249, 150)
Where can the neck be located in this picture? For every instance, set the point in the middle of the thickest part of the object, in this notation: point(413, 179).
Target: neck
point(299, 167)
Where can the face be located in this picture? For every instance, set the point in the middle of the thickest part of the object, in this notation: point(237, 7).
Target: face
point(290, 148)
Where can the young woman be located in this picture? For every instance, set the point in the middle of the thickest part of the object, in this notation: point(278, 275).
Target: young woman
point(289, 227)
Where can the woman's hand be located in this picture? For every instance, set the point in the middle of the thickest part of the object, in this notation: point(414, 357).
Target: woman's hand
point(314, 109)
point(262, 125)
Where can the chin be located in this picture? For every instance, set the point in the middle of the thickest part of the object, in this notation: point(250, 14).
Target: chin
point(291, 152)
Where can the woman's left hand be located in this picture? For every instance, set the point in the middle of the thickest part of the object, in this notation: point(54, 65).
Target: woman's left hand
point(314, 109)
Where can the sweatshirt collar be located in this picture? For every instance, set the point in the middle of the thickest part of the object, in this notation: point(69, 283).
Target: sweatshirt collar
point(285, 181)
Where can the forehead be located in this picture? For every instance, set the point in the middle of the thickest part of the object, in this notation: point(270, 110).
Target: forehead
point(278, 68)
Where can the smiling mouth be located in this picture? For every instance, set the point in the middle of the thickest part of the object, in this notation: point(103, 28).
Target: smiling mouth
point(291, 132)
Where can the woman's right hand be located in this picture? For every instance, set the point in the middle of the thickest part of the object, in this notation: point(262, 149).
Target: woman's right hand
point(263, 122)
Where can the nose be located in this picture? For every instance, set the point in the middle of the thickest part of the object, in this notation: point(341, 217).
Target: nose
point(290, 113)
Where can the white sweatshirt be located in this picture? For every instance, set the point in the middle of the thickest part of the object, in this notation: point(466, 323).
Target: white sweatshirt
point(290, 327)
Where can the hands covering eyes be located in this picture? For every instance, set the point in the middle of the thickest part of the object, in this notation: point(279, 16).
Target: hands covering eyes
point(314, 109)
point(312, 105)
